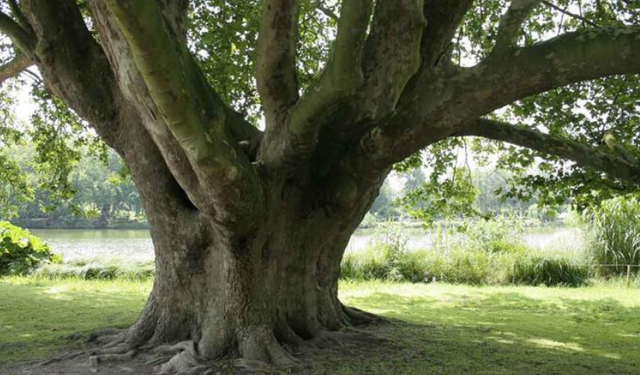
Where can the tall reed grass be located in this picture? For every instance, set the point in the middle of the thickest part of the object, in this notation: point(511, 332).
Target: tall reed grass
point(614, 230)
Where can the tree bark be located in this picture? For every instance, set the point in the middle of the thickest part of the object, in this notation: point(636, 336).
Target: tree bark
point(246, 297)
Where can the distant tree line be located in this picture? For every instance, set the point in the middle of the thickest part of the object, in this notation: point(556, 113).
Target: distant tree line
point(101, 196)
point(484, 188)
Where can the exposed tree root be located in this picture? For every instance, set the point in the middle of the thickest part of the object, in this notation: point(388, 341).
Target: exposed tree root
point(183, 358)
point(334, 339)
point(253, 366)
point(261, 350)
point(262, 353)
point(120, 353)
point(358, 317)
point(105, 336)
point(62, 357)
point(114, 348)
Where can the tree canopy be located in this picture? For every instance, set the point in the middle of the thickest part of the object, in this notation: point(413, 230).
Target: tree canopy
point(601, 113)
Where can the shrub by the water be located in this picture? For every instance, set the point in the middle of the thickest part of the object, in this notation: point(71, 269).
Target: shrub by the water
point(615, 230)
point(488, 253)
point(535, 269)
point(20, 251)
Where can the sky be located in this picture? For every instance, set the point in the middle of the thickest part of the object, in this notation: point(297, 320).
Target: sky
point(25, 105)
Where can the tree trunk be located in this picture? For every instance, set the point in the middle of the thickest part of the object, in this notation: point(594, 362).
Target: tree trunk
point(245, 297)
point(221, 288)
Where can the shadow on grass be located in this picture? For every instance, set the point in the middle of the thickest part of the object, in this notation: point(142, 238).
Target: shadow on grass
point(504, 333)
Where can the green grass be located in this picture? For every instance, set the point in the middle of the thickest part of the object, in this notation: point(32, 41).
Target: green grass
point(449, 329)
point(37, 316)
point(457, 329)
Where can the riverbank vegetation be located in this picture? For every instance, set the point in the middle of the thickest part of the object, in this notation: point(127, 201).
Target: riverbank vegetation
point(488, 253)
point(615, 235)
point(492, 252)
point(21, 252)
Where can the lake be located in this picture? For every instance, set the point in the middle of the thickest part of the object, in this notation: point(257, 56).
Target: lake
point(136, 245)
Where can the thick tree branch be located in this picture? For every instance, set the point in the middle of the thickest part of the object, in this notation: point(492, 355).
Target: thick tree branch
point(443, 18)
point(341, 78)
point(572, 57)
point(21, 37)
point(509, 28)
point(14, 67)
point(436, 106)
point(193, 112)
point(343, 73)
point(133, 92)
point(583, 155)
point(176, 13)
point(392, 55)
point(72, 62)
point(19, 15)
point(326, 11)
point(159, 59)
point(276, 51)
point(75, 69)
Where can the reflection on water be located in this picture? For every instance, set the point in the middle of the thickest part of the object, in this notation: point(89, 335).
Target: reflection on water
point(136, 244)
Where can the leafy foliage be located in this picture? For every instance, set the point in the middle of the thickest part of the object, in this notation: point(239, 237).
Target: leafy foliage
point(222, 36)
point(38, 158)
point(443, 198)
point(14, 187)
point(20, 251)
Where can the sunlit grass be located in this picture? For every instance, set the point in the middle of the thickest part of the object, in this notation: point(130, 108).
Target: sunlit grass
point(447, 329)
point(37, 316)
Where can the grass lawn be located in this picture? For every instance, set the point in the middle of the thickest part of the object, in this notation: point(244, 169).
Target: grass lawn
point(448, 329)
point(37, 316)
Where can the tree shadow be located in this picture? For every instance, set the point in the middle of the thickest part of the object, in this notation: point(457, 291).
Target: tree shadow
point(504, 333)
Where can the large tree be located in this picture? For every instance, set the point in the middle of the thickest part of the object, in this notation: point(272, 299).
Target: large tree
point(249, 226)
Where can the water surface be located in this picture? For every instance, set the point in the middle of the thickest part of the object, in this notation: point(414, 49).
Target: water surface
point(102, 243)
